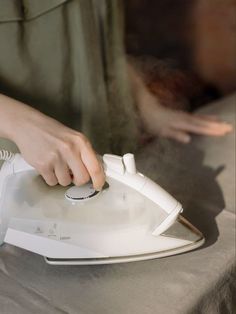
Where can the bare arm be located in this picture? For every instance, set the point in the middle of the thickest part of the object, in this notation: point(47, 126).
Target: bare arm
point(60, 154)
point(166, 122)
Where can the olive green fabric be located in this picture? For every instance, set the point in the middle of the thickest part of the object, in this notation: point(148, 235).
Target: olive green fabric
point(66, 58)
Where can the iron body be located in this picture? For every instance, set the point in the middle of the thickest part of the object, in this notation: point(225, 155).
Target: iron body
point(131, 219)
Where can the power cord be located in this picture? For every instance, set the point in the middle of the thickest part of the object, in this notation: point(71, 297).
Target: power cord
point(6, 155)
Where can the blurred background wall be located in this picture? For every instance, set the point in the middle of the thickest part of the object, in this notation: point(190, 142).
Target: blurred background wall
point(200, 35)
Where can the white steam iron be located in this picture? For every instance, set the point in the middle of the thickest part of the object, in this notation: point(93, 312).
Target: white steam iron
point(131, 219)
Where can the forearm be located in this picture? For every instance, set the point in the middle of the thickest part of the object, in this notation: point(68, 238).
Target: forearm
point(12, 114)
point(9, 109)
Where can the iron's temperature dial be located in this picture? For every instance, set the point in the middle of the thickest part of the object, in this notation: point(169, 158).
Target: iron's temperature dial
point(81, 193)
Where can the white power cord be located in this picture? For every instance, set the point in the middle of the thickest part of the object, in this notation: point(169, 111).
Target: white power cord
point(6, 155)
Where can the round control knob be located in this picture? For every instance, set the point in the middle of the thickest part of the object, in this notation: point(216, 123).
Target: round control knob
point(81, 193)
point(129, 163)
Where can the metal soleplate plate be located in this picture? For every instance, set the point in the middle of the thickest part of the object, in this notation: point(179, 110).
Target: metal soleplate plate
point(182, 229)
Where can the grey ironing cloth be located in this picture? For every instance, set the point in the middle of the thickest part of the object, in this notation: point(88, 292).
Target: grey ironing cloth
point(201, 176)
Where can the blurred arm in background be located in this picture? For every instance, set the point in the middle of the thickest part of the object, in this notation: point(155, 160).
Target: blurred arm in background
point(157, 119)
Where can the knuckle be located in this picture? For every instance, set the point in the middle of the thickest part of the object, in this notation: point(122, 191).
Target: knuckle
point(51, 183)
point(43, 167)
point(83, 139)
point(66, 147)
point(53, 157)
point(81, 180)
point(65, 181)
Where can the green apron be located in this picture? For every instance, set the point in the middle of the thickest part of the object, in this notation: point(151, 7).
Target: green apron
point(66, 58)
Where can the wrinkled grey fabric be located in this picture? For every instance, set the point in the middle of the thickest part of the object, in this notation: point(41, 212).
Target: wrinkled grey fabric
point(201, 176)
